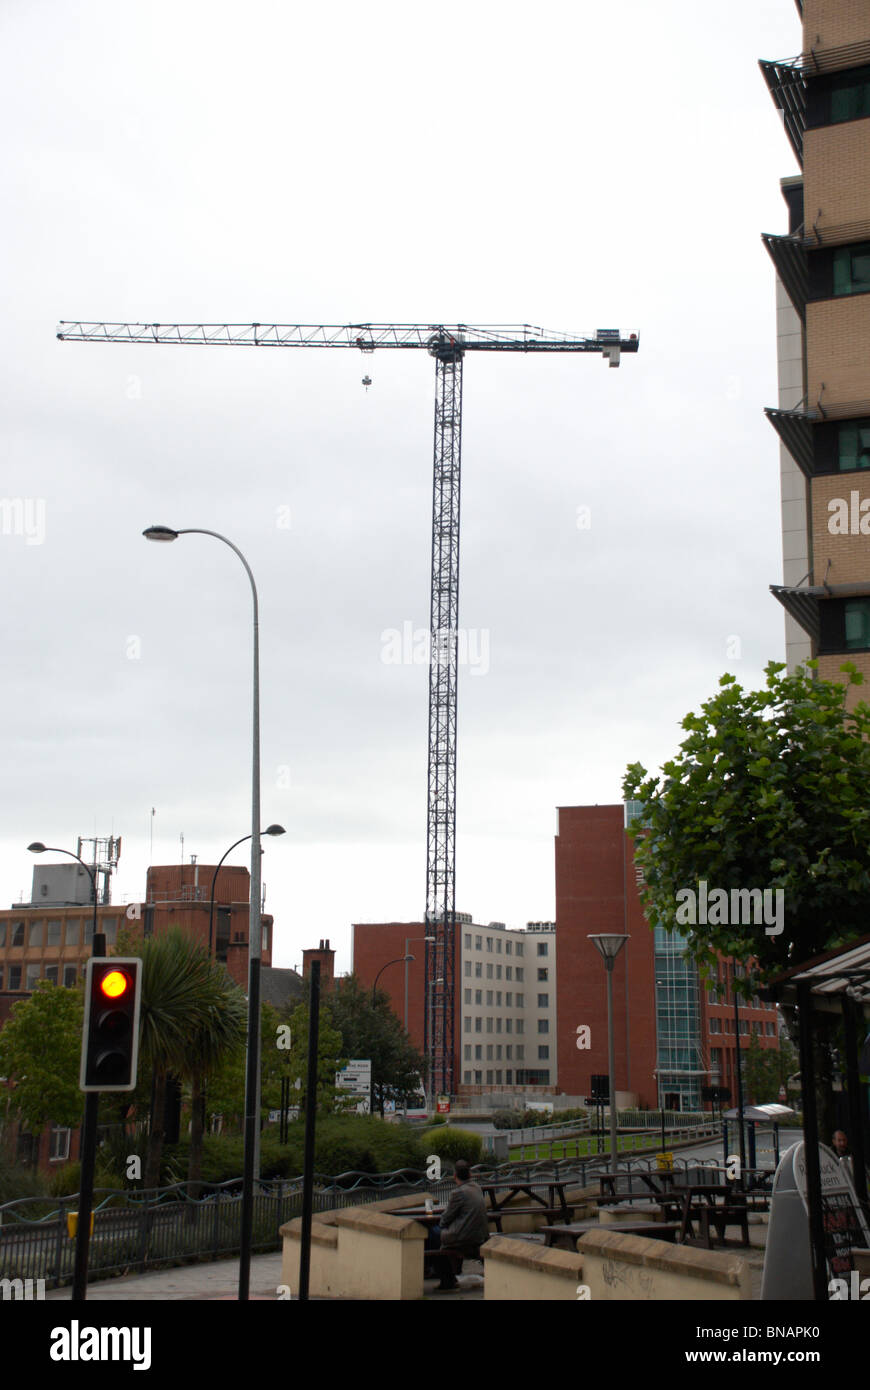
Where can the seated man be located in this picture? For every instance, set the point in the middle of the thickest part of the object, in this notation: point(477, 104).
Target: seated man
point(464, 1223)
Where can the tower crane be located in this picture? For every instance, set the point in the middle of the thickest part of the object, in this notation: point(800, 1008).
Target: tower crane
point(448, 346)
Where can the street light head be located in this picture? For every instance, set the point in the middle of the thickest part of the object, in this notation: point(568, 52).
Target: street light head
point(37, 847)
point(430, 938)
point(409, 957)
point(160, 533)
point(274, 830)
point(609, 945)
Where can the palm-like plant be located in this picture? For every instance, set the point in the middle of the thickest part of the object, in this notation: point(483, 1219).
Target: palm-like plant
point(186, 1014)
point(220, 1034)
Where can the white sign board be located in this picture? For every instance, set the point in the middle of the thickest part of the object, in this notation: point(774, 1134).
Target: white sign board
point(356, 1078)
point(787, 1261)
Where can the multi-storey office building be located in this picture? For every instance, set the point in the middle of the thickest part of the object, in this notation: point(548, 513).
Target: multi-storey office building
point(823, 326)
point(505, 1025)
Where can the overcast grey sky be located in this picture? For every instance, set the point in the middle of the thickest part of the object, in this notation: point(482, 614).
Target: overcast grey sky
point(574, 166)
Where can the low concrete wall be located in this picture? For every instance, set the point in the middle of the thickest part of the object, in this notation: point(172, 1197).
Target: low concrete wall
point(618, 1266)
point(358, 1252)
point(517, 1270)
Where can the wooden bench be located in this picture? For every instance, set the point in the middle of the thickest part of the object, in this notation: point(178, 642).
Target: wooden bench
point(566, 1237)
point(448, 1260)
point(551, 1213)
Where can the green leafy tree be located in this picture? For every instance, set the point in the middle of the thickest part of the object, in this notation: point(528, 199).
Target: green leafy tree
point(40, 1053)
point(370, 1029)
point(768, 791)
point(330, 1059)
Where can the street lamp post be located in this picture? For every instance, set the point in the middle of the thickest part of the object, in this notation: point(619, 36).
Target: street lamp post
point(88, 1154)
point(252, 1078)
point(270, 830)
point(397, 961)
point(609, 947)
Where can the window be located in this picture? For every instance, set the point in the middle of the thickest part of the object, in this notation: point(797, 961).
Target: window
point(73, 931)
point(1, 976)
point(543, 948)
point(478, 996)
point(509, 1078)
point(715, 1056)
point(478, 970)
point(14, 977)
point(478, 1052)
point(489, 1076)
point(489, 971)
point(18, 934)
point(769, 1030)
point(508, 947)
point(498, 1052)
point(498, 1077)
point(498, 998)
point(519, 972)
point(509, 999)
point(467, 1024)
point(489, 1025)
point(468, 941)
point(853, 445)
point(51, 973)
point(543, 1001)
point(468, 967)
point(508, 972)
point(33, 973)
point(715, 1025)
point(112, 927)
point(508, 1050)
point(521, 1001)
point(498, 1024)
point(520, 951)
point(498, 972)
point(852, 269)
point(467, 1053)
point(543, 972)
point(489, 996)
point(2, 933)
point(59, 1144)
point(857, 616)
point(489, 943)
point(478, 943)
point(466, 1077)
point(478, 1077)
point(489, 1052)
point(850, 96)
point(498, 945)
point(52, 935)
point(468, 996)
point(70, 975)
point(543, 1025)
point(521, 1027)
point(478, 1025)
point(509, 1025)
point(744, 1026)
point(544, 1053)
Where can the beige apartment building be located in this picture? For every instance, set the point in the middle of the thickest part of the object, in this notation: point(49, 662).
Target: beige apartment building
point(823, 336)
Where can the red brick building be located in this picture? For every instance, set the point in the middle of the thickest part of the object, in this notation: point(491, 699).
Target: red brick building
point(521, 996)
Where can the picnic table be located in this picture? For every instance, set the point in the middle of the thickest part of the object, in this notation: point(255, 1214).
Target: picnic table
point(500, 1194)
point(710, 1205)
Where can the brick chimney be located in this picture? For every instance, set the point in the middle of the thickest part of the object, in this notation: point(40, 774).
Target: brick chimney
point(326, 956)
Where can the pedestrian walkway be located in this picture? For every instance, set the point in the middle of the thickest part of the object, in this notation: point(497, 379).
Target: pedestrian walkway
point(214, 1279)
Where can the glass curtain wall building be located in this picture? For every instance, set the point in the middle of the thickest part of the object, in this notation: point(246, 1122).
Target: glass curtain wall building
point(680, 1060)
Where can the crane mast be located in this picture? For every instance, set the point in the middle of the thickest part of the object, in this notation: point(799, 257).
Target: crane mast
point(448, 346)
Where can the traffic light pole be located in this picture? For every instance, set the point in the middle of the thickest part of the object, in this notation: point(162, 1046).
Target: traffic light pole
point(88, 1162)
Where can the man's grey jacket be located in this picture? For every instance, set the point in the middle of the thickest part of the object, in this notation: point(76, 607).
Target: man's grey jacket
point(464, 1221)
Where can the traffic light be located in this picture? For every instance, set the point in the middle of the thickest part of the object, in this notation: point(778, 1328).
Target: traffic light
point(110, 1037)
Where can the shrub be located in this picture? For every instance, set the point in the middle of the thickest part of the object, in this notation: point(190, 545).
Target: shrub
point(507, 1119)
point(453, 1143)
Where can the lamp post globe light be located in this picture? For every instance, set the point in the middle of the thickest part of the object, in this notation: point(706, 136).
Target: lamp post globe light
point(88, 1152)
point(252, 1075)
point(609, 945)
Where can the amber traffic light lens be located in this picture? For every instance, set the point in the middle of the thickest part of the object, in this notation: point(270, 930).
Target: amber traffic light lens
point(114, 984)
